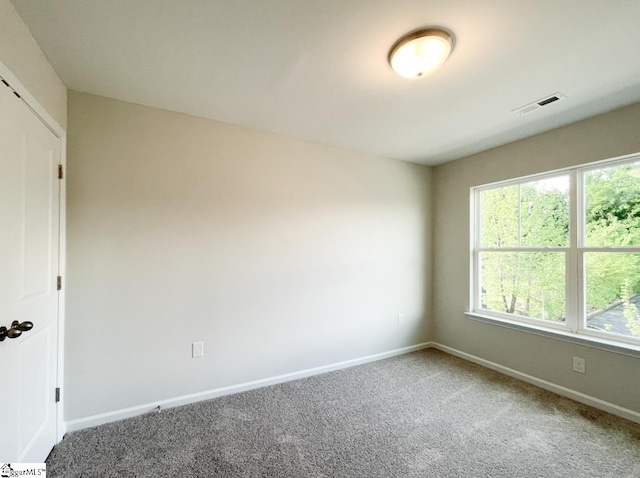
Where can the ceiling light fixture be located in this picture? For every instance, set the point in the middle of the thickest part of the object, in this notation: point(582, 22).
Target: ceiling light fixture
point(420, 53)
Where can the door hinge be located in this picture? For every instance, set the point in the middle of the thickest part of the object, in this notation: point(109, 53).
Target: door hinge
point(57, 394)
point(60, 171)
point(59, 283)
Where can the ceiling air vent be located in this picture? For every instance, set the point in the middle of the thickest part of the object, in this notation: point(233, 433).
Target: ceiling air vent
point(536, 105)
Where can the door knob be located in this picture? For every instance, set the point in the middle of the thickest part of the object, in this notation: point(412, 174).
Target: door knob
point(14, 333)
point(16, 330)
point(25, 326)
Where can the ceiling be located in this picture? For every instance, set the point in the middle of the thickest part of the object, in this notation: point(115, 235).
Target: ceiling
point(317, 69)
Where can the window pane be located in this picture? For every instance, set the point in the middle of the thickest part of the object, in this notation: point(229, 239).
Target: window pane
point(531, 284)
point(544, 212)
point(499, 217)
point(612, 197)
point(533, 214)
point(613, 292)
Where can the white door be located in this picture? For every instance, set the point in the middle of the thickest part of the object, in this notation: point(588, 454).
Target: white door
point(29, 251)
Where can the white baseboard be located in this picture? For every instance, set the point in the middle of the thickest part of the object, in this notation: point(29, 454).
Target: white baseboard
point(102, 418)
point(121, 414)
point(552, 387)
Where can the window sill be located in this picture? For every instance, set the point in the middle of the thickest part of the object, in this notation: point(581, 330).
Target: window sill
point(575, 338)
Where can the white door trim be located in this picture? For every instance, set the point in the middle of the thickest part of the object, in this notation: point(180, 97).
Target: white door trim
point(60, 132)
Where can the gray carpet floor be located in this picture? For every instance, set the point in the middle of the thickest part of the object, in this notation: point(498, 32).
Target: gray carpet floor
point(418, 415)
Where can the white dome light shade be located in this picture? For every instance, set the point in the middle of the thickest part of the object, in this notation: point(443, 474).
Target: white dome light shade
point(420, 53)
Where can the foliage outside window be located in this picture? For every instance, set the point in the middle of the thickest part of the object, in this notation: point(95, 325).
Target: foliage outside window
point(562, 250)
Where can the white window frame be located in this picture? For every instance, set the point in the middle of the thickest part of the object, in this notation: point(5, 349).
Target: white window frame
point(574, 329)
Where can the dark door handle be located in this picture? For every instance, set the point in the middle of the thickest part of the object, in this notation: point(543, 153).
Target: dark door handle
point(16, 330)
point(25, 326)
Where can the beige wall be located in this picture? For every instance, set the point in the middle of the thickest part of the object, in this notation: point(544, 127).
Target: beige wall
point(22, 55)
point(278, 254)
point(611, 377)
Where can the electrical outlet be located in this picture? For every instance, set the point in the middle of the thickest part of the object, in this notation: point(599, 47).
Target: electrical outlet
point(579, 365)
point(197, 349)
point(400, 319)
